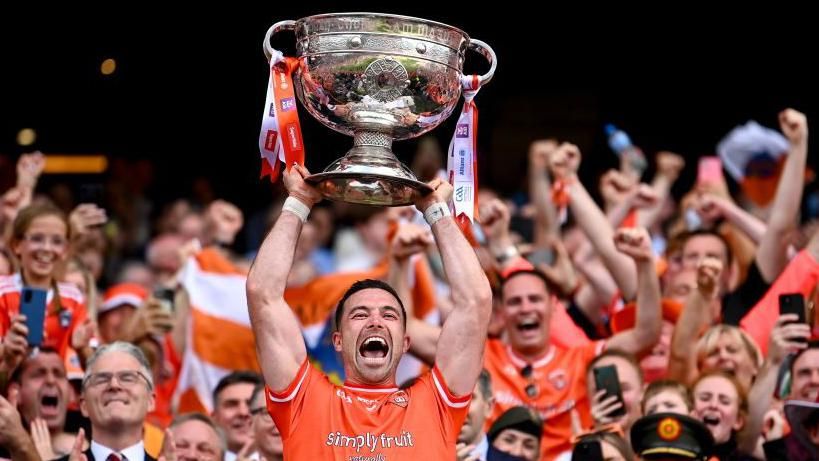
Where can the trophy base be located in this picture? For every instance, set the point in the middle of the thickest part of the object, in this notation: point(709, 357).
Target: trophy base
point(369, 175)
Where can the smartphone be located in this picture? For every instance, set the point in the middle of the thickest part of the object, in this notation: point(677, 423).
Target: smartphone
point(541, 256)
point(709, 170)
point(605, 378)
point(588, 450)
point(33, 306)
point(166, 297)
point(793, 303)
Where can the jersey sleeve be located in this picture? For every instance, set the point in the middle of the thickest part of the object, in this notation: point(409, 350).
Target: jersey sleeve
point(452, 409)
point(290, 405)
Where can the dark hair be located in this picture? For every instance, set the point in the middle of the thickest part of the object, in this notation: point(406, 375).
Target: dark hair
point(257, 389)
point(619, 354)
point(237, 377)
point(667, 385)
point(363, 285)
point(17, 374)
point(811, 345)
point(709, 233)
point(550, 287)
point(619, 443)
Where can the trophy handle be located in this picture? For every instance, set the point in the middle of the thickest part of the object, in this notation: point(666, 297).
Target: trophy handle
point(487, 52)
point(269, 51)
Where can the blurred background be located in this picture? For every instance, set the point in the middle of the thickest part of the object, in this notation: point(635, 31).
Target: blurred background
point(172, 95)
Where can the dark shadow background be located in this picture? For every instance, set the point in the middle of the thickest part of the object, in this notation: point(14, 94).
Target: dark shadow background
point(190, 83)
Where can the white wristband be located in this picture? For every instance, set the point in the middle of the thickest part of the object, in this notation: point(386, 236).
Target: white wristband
point(295, 206)
point(435, 212)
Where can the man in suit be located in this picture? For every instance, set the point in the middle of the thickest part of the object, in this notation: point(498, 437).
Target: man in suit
point(117, 393)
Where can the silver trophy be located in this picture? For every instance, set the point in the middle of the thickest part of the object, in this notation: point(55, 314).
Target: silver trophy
point(378, 78)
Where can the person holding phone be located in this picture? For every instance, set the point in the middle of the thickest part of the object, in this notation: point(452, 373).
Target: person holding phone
point(615, 386)
point(40, 241)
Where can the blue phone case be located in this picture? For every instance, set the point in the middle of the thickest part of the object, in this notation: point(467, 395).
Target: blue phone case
point(33, 306)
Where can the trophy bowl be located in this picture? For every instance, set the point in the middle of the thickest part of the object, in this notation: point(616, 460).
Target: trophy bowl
point(378, 78)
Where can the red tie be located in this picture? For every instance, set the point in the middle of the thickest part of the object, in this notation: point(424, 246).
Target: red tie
point(114, 457)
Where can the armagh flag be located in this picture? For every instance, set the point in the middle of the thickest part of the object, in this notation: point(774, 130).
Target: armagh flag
point(219, 337)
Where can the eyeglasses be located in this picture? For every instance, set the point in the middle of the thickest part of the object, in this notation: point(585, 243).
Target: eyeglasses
point(40, 240)
point(531, 388)
point(261, 411)
point(126, 378)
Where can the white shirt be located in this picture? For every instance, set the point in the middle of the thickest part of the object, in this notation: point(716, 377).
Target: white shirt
point(135, 452)
point(481, 449)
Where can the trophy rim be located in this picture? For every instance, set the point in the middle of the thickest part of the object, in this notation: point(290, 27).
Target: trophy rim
point(421, 188)
point(389, 15)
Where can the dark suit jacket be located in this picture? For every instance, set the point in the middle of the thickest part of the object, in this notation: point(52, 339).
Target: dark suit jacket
point(90, 457)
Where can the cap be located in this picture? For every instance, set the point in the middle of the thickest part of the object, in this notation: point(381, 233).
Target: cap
point(664, 435)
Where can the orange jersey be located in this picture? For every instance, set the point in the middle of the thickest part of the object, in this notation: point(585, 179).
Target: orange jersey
point(58, 325)
point(557, 384)
point(322, 421)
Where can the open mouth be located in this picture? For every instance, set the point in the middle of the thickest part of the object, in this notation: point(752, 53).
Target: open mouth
point(528, 325)
point(711, 420)
point(374, 347)
point(49, 405)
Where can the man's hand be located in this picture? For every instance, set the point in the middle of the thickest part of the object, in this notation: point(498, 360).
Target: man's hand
point(410, 239)
point(12, 433)
point(223, 220)
point(616, 187)
point(150, 319)
point(463, 452)
point(82, 334)
point(441, 192)
point(539, 152)
point(634, 242)
point(794, 126)
point(29, 168)
point(495, 219)
point(708, 273)
point(84, 217)
point(13, 200)
point(168, 447)
point(298, 188)
point(76, 453)
point(711, 207)
point(42, 439)
point(247, 449)
point(644, 196)
point(15, 344)
point(785, 337)
point(562, 272)
point(669, 164)
point(565, 161)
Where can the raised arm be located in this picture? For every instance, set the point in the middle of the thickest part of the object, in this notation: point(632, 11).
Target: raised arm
point(564, 163)
point(696, 315)
point(772, 255)
point(411, 239)
point(546, 220)
point(786, 338)
point(461, 344)
point(636, 243)
point(279, 343)
point(713, 207)
point(669, 166)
